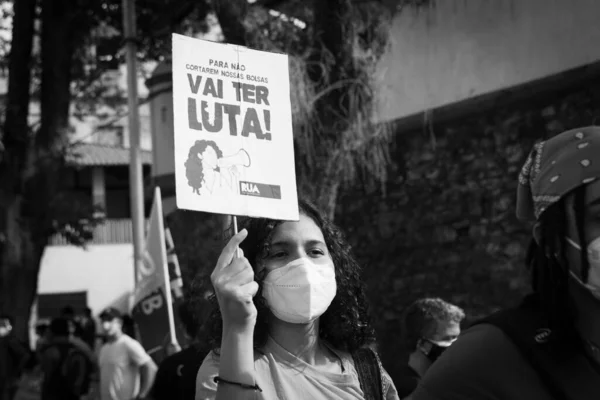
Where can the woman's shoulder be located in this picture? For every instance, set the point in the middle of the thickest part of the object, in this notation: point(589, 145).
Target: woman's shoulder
point(389, 389)
point(208, 366)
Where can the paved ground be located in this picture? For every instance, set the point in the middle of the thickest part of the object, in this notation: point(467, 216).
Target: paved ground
point(30, 388)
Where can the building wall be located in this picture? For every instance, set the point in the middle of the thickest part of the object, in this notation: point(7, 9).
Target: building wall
point(104, 271)
point(458, 49)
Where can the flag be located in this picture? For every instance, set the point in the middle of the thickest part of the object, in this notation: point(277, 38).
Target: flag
point(176, 286)
point(153, 307)
point(174, 269)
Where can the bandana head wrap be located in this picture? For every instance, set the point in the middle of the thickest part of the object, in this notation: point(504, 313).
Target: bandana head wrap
point(555, 167)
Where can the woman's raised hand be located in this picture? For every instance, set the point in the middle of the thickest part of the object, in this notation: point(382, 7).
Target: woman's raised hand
point(233, 281)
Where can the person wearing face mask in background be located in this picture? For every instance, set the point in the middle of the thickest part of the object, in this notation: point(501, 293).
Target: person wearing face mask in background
point(549, 346)
point(126, 371)
point(291, 319)
point(429, 327)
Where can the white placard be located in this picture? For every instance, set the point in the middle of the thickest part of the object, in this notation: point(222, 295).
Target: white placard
point(234, 150)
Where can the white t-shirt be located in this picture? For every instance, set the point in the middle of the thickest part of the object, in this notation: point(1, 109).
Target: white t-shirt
point(283, 376)
point(120, 363)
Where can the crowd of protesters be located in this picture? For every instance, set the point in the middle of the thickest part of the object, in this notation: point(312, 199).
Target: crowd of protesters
point(290, 319)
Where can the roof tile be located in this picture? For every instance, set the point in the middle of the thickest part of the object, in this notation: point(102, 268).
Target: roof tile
point(92, 154)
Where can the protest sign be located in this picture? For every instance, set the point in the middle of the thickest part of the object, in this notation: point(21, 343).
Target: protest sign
point(234, 149)
point(153, 305)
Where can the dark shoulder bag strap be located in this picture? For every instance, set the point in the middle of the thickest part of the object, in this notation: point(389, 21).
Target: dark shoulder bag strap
point(63, 351)
point(368, 368)
point(572, 378)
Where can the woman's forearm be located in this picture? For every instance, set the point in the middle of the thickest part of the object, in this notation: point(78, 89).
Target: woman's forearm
point(237, 364)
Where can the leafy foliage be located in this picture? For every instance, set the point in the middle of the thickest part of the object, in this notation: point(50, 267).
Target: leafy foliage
point(333, 53)
point(74, 217)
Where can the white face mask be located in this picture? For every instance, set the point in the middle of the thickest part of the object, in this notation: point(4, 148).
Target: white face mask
point(300, 291)
point(593, 251)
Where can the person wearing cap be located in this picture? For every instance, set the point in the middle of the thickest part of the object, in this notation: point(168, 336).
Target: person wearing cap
point(548, 346)
point(88, 327)
point(126, 371)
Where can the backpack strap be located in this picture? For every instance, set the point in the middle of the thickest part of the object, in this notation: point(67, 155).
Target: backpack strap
point(368, 368)
point(63, 350)
point(76, 369)
point(570, 378)
point(63, 353)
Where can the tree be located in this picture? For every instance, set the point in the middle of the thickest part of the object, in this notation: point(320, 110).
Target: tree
point(33, 205)
point(16, 254)
point(333, 59)
point(336, 140)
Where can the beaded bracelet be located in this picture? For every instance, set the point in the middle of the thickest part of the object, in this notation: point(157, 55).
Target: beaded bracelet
point(242, 385)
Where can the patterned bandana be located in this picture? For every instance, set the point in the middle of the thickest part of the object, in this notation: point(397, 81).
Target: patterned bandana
point(555, 167)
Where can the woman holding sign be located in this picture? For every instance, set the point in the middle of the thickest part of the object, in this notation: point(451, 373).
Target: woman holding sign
point(292, 321)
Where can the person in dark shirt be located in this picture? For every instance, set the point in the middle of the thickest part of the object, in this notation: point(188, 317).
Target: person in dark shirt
point(549, 346)
point(88, 328)
point(68, 313)
point(66, 363)
point(176, 376)
point(429, 327)
point(13, 358)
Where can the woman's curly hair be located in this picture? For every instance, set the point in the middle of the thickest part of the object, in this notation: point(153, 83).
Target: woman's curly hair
point(346, 324)
point(194, 171)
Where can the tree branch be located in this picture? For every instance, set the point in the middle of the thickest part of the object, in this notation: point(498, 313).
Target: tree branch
point(123, 114)
point(57, 49)
point(231, 15)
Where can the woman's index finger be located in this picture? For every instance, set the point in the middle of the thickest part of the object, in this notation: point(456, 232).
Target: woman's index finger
point(230, 249)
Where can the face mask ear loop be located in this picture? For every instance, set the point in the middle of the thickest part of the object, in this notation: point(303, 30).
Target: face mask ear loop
point(422, 345)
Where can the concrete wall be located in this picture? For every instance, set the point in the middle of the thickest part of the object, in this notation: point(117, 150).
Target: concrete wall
point(104, 271)
point(458, 49)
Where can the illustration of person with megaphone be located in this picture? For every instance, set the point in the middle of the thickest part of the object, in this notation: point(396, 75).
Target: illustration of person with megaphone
point(209, 173)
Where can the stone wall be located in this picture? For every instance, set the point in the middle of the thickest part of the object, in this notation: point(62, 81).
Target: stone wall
point(446, 226)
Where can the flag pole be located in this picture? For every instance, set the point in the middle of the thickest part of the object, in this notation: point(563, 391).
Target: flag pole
point(235, 232)
point(165, 266)
point(136, 190)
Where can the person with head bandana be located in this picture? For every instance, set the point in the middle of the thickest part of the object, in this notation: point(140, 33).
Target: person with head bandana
point(548, 346)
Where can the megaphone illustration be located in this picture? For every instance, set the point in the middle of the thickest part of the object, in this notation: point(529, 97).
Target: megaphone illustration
point(241, 158)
